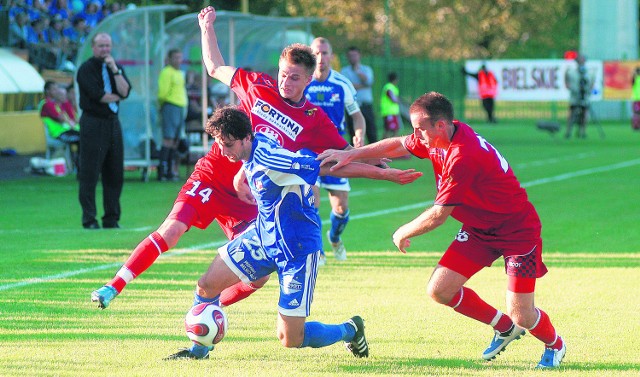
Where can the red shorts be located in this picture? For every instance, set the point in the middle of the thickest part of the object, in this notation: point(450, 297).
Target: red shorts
point(199, 203)
point(391, 123)
point(518, 242)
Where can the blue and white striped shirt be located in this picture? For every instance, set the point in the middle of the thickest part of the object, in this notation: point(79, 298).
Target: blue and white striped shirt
point(281, 181)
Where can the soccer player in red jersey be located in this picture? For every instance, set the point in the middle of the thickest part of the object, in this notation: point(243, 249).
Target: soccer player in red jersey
point(215, 190)
point(477, 187)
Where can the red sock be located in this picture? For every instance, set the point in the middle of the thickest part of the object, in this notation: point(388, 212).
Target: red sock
point(238, 291)
point(142, 258)
point(468, 303)
point(544, 330)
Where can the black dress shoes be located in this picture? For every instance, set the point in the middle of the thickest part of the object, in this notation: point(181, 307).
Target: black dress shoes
point(91, 226)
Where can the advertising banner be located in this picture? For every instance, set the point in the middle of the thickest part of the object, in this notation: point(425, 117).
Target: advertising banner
point(618, 79)
point(533, 80)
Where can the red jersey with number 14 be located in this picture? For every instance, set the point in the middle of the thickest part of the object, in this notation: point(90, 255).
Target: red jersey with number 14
point(473, 176)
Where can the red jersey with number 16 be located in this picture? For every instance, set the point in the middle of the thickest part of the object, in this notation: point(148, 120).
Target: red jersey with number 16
point(473, 176)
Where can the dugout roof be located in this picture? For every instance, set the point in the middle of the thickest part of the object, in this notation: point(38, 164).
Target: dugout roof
point(17, 75)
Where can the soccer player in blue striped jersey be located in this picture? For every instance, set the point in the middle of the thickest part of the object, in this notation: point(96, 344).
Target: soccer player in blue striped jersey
point(336, 95)
point(286, 236)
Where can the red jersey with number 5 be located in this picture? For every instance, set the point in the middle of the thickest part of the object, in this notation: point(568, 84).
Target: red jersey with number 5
point(473, 176)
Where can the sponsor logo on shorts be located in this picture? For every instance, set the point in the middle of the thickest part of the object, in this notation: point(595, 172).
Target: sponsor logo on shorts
point(290, 285)
point(462, 236)
point(248, 270)
point(514, 264)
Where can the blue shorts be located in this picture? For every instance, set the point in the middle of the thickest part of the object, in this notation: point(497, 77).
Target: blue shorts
point(334, 183)
point(246, 257)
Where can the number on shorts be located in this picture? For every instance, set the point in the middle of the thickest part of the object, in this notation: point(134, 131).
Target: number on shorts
point(205, 193)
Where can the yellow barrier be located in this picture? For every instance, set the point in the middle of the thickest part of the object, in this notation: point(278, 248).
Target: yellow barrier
point(22, 131)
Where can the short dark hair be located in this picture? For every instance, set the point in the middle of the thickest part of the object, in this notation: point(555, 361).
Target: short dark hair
point(434, 104)
point(353, 48)
point(392, 76)
point(48, 85)
point(300, 54)
point(229, 122)
point(173, 51)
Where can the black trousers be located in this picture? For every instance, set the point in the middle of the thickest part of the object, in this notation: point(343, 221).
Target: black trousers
point(488, 104)
point(101, 155)
point(370, 120)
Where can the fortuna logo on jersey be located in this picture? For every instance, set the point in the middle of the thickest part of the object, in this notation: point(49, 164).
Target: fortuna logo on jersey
point(277, 119)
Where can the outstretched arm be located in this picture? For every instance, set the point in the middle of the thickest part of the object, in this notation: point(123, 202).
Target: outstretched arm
point(360, 170)
point(386, 148)
point(211, 55)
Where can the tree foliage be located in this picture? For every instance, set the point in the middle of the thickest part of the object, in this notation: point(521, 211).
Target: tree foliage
point(437, 29)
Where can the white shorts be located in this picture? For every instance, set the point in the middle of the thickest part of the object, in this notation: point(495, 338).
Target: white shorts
point(334, 183)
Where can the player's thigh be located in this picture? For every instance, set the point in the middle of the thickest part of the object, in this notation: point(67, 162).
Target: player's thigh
point(339, 199)
point(171, 230)
point(217, 277)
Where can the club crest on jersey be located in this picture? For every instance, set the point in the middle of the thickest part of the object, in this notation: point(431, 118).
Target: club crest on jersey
point(310, 112)
point(277, 119)
point(266, 130)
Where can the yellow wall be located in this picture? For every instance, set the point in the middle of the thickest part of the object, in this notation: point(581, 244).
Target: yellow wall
point(22, 131)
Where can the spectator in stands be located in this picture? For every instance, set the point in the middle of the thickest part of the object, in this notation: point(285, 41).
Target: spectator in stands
point(58, 123)
point(70, 106)
point(36, 32)
point(18, 31)
point(60, 7)
point(76, 35)
point(59, 44)
point(92, 14)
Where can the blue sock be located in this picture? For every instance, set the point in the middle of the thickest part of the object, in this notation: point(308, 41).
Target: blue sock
point(199, 350)
point(197, 299)
point(338, 223)
point(196, 349)
point(318, 334)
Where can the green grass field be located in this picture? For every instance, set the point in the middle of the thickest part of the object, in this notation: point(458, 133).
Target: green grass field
point(586, 191)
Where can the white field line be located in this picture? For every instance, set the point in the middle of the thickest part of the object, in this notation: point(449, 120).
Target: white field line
point(536, 182)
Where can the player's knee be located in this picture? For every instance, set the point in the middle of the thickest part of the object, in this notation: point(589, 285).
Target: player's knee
point(171, 230)
point(203, 288)
point(439, 294)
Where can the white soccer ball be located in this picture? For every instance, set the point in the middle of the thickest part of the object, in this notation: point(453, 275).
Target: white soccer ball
point(206, 324)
